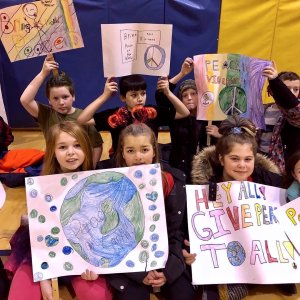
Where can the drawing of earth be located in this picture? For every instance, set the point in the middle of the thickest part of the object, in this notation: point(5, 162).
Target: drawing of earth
point(103, 219)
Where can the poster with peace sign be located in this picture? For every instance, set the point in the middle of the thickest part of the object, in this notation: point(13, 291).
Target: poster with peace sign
point(230, 84)
point(38, 28)
point(136, 48)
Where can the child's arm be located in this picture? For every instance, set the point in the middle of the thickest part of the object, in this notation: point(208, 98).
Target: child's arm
point(181, 110)
point(86, 116)
point(27, 98)
point(280, 92)
point(46, 289)
point(186, 68)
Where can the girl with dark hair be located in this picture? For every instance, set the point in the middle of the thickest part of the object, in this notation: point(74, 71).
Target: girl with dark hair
point(234, 157)
point(137, 146)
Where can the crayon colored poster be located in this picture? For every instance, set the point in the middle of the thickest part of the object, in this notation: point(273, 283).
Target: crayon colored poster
point(238, 238)
point(230, 84)
point(108, 221)
point(136, 48)
point(37, 28)
point(288, 216)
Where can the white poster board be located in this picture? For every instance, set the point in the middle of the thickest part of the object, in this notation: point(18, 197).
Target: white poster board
point(136, 48)
point(37, 28)
point(238, 238)
point(107, 221)
point(288, 216)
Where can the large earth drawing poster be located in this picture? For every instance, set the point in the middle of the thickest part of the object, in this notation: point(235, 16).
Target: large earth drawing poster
point(230, 84)
point(108, 221)
point(37, 28)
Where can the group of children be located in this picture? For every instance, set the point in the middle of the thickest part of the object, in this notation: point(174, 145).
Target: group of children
point(134, 129)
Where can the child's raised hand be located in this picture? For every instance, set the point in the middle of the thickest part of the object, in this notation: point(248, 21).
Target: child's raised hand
point(189, 258)
point(270, 72)
point(163, 85)
point(187, 66)
point(49, 65)
point(110, 87)
point(89, 275)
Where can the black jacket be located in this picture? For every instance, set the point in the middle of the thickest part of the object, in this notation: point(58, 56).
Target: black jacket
point(286, 100)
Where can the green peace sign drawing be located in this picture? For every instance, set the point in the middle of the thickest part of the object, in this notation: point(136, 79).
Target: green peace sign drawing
point(233, 100)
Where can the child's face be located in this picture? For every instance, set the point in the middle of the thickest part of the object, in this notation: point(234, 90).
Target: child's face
point(238, 164)
point(68, 153)
point(61, 100)
point(137, 150)
point(293, 85)
point(190, 99)
point(296, 171)
point(134, 98)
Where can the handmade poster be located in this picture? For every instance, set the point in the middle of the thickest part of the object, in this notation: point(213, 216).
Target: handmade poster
point(230, 84)
point(136, 48)
point(38, 28)
point(238, 238)
point(2, 195)
point(288, 216)
point(107, 221)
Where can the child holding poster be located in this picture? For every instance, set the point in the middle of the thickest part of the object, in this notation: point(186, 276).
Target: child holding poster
point(234, 157)
point(68, 149)
point(133, 94)
point(61, 95)
point(137, 146)
point(285, 91)
point(188, 135)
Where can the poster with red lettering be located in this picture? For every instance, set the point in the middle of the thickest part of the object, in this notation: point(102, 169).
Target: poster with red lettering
point(237, 238)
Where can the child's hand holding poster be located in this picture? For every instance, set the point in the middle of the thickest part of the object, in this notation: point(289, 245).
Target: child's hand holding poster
point(38, 28)
point(229, 84)
point(237, 238)
point(136, 48)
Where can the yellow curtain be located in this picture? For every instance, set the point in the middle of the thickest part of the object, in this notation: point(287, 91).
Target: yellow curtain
point(263, 29)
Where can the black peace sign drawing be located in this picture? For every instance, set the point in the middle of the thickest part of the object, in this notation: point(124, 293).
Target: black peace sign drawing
point(154, 57)
point(233, 100)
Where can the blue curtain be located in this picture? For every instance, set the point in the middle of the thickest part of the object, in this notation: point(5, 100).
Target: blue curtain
point(195, 31)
